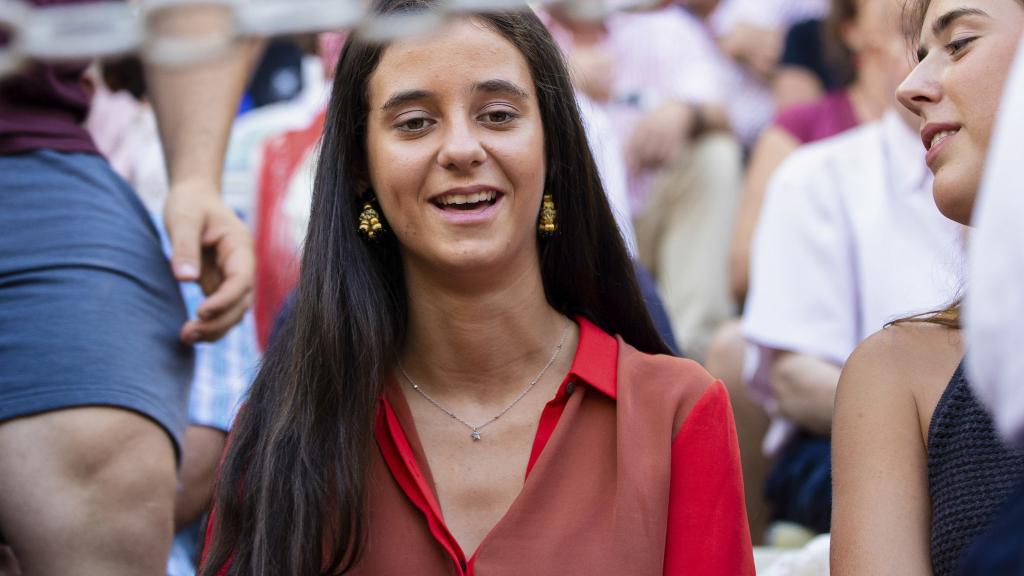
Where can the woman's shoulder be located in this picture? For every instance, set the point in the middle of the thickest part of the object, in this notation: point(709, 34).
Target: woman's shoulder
point(915, 358)
point(670, 384)
point(660, 370)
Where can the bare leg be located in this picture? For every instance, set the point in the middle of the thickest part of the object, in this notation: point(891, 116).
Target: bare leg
point(87, 491)
point(725, 361)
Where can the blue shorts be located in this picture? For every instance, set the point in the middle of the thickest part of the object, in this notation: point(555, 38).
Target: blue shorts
point(89, 309)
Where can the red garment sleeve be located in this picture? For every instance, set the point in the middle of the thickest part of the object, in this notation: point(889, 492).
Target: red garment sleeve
point(707, 524)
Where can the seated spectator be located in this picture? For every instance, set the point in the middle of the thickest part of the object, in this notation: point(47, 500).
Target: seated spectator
point(919, 467)
point(864, 37)
point(750, 35)
point(871, 36)
point(848, 241)
point(665, 107)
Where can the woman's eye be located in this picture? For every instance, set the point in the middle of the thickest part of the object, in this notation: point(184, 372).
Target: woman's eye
point(956, 46)
point(499, 116)
point(414, 125)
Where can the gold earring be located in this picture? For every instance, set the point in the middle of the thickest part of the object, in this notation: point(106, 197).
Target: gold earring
point(548, 216)
point(369, 222)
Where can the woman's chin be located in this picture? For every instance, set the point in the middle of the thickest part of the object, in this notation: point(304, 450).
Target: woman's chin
point(955, 197)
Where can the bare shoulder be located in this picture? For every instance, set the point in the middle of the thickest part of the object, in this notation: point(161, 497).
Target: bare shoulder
point(915, 358)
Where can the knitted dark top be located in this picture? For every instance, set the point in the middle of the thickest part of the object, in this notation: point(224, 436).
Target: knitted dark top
point(970, 472)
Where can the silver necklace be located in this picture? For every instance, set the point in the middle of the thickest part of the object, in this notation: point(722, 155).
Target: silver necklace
point(475, 430)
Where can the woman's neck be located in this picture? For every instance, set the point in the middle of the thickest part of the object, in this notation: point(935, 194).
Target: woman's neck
point(485, 341)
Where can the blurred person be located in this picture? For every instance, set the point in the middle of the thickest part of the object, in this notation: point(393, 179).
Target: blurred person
point(94, 341)
point(919, 467)
point(804, 73)
point(655, 74)
point(448, 388)
point(749, 35)
point(865, 32)
point(253, 128)
point(279, 74)
point(849, 240)
point(864, 35)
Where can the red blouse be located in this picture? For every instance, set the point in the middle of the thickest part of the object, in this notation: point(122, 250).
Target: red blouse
point(634, 471)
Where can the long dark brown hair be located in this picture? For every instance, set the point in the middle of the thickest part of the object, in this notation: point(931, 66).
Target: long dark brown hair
point(293, 484)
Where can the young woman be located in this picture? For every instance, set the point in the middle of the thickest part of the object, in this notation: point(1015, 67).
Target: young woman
point(448, 396)
point(918, 470)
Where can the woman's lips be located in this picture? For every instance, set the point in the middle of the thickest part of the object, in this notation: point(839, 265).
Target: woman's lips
point(480, 212)
point(937, 147)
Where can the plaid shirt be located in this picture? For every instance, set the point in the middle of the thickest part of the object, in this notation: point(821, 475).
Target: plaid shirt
point(224, 369)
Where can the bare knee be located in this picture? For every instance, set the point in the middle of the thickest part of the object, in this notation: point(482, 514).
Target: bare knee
point(87, 485)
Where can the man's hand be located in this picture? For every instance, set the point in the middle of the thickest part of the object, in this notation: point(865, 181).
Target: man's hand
point(210, 245)
point(755, 48)
point(659, 136)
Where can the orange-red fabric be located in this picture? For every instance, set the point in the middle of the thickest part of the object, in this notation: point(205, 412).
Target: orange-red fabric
point(634, 471)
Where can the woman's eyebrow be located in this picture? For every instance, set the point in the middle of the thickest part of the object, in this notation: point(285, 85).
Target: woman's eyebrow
point(405, 96)
point(501, 87)
point(947, 19)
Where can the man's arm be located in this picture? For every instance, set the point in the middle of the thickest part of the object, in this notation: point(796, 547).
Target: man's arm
point(805, 389)
point(195, 105)
point(664, 131)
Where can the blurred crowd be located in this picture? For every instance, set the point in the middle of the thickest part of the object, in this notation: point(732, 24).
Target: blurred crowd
point(771, 190)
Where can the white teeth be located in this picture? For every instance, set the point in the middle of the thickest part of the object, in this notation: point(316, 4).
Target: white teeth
point(940, 136)
point(456, 199)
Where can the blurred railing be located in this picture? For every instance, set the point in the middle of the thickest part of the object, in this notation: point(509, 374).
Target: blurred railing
point(102, 29)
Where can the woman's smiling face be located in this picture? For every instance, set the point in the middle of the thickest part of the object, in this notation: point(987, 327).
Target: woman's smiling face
point(455, 149)
point(965, 51)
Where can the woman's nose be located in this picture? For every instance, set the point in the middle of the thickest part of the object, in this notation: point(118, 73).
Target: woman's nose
point(920, 88)
point(461, 149)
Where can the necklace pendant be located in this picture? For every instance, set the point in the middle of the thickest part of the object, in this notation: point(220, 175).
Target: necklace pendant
point(475, 435)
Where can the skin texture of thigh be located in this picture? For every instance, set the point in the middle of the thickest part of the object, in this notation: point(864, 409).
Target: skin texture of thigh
point(200, 457)
point(87, 491)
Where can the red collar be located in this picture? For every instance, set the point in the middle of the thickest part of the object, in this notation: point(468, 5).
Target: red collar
point(597, 358)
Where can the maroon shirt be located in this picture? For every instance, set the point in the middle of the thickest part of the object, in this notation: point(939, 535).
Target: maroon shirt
point(44, 106)
point(820, 119)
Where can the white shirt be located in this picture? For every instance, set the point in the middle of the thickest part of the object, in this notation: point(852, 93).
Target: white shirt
point(994, 309)
point(849, 239)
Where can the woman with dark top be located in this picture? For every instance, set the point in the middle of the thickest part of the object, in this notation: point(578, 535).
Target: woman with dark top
point(470, 381)
point(918, 468)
